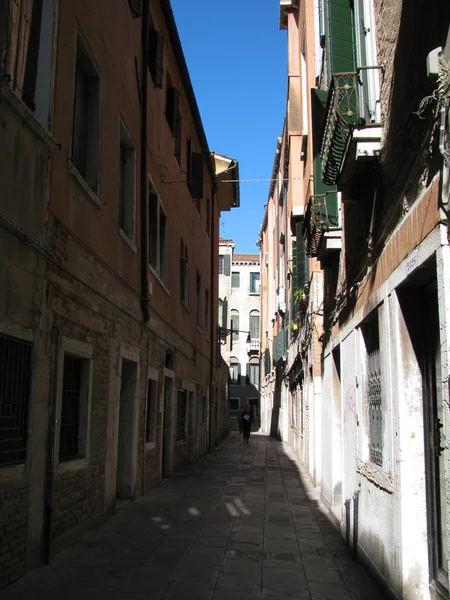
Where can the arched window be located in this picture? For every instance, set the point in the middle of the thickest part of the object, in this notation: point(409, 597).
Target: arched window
point(235, 370)
point(235, 325)
point(253, 371)
point(254, 324)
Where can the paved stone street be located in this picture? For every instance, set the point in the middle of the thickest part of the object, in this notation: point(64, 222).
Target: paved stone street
point(239, 525)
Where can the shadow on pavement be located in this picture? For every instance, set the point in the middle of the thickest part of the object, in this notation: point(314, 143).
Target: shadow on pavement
point(237, 525)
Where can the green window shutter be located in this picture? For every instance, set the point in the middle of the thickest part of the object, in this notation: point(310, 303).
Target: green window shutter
point(227, 265)
point(294, 281)
point(318, 105)
point(224, 313)
point(340, 37)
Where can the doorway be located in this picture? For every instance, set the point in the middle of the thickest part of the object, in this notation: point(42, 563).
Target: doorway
point(420, 308)
point(127, 431)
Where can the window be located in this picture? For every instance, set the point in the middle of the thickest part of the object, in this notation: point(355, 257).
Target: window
point(253, 371)
point(157, 235)
point(184, 273)
point(235, 325)
point(208, 216)
point(136, 8)
point(373, 389)
point(194, 173)
point(235, 279)
point(86, 118)
point(30, 45)
point(198, 299)
point(203, 409)
point(221, 264)
point(74, 408)
point(172, 105)
point(207, 312)
point(181, 415)
point(254, 324)
point(127, 167)
point(235, 370)
point(254, 283)
point(15, 379)
point(156, 56)
point(234, 404)
point(150, 416)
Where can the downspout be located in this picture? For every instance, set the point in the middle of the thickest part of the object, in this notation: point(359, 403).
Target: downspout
point(144, 187)
point(213, 328)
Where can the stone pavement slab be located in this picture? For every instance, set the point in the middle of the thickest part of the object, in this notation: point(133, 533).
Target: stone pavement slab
point(238, 525)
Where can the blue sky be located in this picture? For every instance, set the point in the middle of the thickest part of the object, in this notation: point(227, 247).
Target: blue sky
point(236, 56)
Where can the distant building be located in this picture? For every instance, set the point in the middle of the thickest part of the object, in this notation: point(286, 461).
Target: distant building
point(239, 321)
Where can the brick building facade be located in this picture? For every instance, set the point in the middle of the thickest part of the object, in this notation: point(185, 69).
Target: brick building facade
point(110, 368)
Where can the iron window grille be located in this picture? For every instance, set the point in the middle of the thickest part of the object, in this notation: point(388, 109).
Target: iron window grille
point(15, 379)
point(69, 446)
point(374, 391)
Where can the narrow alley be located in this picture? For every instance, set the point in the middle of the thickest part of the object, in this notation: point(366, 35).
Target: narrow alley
point(237, 525)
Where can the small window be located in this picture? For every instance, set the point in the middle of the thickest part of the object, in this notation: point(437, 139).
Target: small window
point(235, 325)
point(15, 380)
point(172, 105)
point(373, 389)
point(254, 283)
point(157, 235)
point(86, 118)
point(235, 279)
point(184, 273)
point(221, 264)
point(150, 417)
point(254, 324)
point(253, 371)
point(235, 370)
point(127, 166)
point(234, 404)
point(156, 56)
point(74, 408)
point(181, 415)
point(198, 299)
point(203, 409)
point(194, 173)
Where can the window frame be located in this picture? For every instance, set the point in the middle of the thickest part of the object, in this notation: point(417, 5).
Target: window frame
point(183, 440)
point(158, 267)
point(151, 407)
point(85, 352)
point(235, 279)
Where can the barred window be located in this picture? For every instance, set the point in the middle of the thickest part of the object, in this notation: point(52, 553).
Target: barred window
point(373, 390)
point(15, 378)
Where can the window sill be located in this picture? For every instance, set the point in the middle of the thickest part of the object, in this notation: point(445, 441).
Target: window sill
point(84, 185)
point(127, 240)
point(28, 117)
point(11, 472)
point(199, 329)
point(150, 446)
point(186, 306)
point(159, 280)
point(76, 464)
point(181, 443)
point(373, 473)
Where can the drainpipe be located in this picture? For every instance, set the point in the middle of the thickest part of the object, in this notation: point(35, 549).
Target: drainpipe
point(144, 187)
point(213, 324)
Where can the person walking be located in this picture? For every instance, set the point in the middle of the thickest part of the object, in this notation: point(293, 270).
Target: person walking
point(246, 423)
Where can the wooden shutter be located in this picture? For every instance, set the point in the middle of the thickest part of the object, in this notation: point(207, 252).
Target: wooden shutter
point(302, 259)
point(227, 265)
point(136, 7)
point(340, 37)
point(224, 314)
point(172, 108)
point(196, 179)
point(155, 56)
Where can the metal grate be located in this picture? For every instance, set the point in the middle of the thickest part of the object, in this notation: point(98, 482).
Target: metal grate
point(70, 408)
point(374, 399)
point(15, 378)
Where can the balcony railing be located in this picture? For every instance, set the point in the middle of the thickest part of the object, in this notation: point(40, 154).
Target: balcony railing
point(318, 220)
point(254, 346)
point(342, 117)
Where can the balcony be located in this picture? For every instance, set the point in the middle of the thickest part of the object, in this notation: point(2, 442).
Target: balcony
point(319, 220)
point(281, 300)
point(253, 347)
